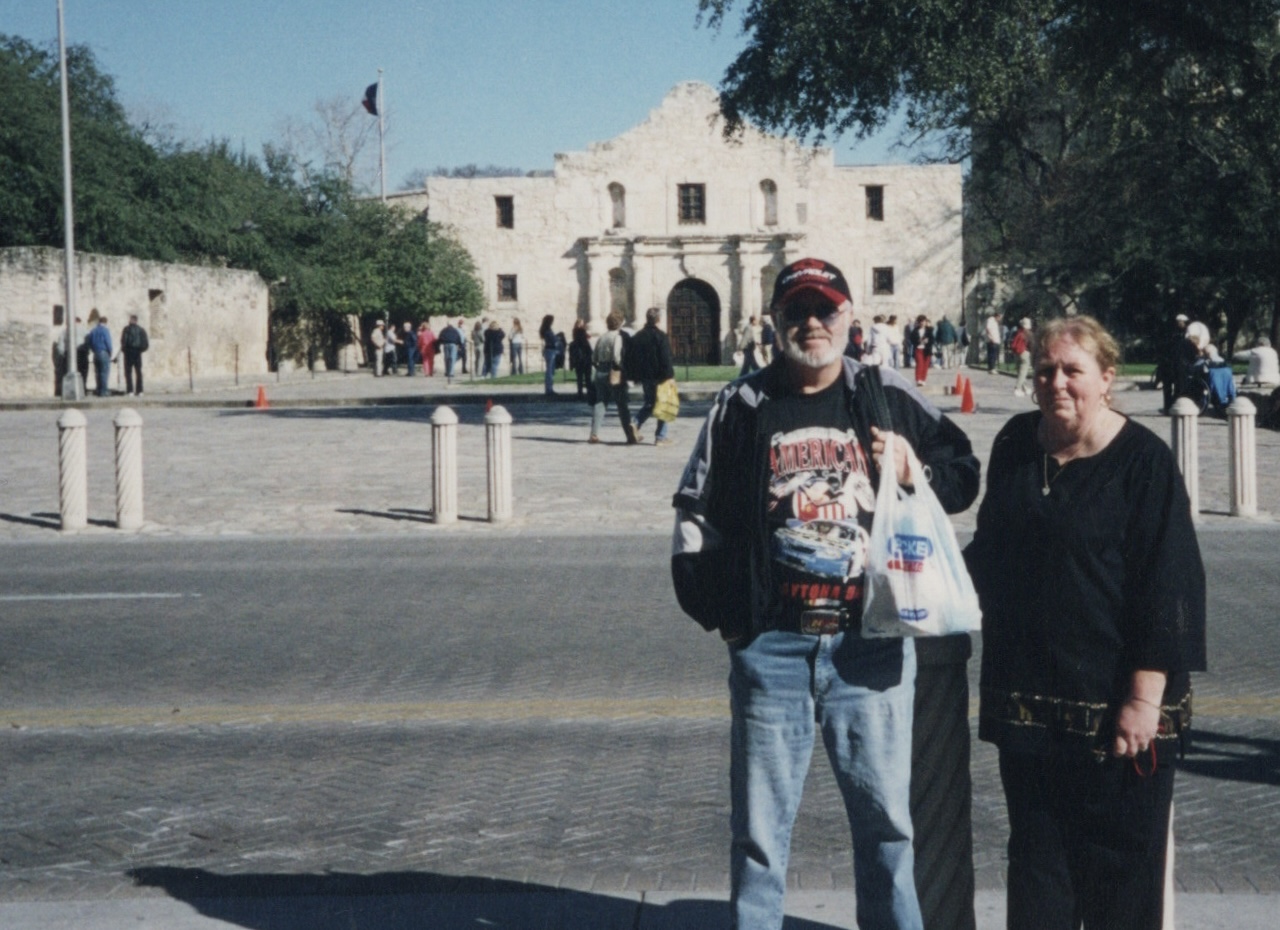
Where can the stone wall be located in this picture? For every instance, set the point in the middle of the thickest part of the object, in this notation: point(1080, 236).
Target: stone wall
point(605, 227)
point(215, 317)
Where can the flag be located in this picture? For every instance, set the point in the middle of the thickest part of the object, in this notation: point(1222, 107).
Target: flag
point(371, 99)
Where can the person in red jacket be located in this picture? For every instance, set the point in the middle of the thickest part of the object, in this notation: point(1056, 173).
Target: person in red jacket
point(1021, 346)
point(427, 348)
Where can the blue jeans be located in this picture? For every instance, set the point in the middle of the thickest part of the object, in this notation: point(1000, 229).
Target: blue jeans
point(860, 693)
point(102, 371)
point(450, 358)
point(650, 391)
point(549, 370)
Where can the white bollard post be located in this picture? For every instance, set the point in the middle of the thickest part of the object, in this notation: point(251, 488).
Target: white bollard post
point(128, 469)
point(1244, 457)
point(497, 432)
point(73, 475)
point(1186, 448)
point(444, 462)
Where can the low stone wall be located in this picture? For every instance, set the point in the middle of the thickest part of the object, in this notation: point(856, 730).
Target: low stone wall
point(202, 321)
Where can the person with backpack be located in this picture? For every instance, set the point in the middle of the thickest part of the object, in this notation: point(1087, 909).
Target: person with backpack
point(948, 340)
point(133, 342)
point(648, 361)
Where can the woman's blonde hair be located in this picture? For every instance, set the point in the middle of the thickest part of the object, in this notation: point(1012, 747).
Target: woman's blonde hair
point(1085, 332)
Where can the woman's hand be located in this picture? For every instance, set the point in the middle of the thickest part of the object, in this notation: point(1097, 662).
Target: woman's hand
point(1139, 717)
point(1136, 727)
point(902, 464)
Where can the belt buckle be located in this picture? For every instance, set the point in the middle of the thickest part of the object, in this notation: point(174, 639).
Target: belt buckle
point(821, 622)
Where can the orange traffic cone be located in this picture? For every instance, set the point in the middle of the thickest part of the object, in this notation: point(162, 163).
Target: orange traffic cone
point(959, 388)
point(261, 402)
point(967, 405)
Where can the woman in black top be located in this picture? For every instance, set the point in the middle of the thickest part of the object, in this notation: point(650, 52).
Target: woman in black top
point(580, 357)
point(1086, 562)
point(548, 335)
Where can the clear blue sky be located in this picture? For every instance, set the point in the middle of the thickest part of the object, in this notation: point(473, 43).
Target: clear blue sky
point(501, 82)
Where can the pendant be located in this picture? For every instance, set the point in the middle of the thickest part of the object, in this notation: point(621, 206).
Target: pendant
point(1045, 490)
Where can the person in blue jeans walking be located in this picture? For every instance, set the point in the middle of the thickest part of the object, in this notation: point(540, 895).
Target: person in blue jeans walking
point(770, 546)
point(647, 360)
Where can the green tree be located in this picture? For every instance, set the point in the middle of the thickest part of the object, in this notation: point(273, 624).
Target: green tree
point(327, 253)
point(1124, 153)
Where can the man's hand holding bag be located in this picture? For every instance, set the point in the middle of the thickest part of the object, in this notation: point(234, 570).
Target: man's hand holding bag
point(916, 580)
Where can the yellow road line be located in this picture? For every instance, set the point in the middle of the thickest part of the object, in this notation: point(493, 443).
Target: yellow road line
point(490, 711)
point(425, 711)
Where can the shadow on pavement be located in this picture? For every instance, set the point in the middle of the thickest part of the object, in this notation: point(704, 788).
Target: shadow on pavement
point(49, 521)
point(469, 414)
point(470, 410)
point(421, 901)
point(1233, 758)
point(405, 514)
point(33, 520)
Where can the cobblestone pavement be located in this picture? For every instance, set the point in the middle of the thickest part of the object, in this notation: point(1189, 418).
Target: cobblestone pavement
point(351, 454)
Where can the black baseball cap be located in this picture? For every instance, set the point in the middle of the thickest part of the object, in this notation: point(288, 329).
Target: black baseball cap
point(810, 274)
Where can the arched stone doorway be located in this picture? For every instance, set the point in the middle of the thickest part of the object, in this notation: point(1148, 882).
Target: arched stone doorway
point(693, 321)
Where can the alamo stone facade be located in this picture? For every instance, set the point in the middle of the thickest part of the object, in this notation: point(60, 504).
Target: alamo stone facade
point(673, 215)
point(215, 319)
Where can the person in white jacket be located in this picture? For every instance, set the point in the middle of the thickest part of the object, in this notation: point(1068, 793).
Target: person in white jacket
point(1264, 366)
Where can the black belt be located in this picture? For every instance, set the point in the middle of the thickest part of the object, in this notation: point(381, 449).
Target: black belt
point(1077, 717)
point(815, 622)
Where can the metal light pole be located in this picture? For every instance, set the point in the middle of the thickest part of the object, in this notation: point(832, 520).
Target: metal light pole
point(72, 386)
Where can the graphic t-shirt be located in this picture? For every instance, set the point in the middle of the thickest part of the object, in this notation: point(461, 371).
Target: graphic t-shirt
point(819, 503)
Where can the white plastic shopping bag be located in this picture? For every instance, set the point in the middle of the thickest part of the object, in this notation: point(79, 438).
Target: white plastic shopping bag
point(916, 581)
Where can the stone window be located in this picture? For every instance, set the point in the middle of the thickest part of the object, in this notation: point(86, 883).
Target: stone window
point(882, 281)
point(769, 191)
point(507, 287)
point(875, 202)
point(157, 314)
point(618, 197)
point(506, 212)
point(693, 203)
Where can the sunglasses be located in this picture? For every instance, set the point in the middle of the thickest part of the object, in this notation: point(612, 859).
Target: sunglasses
point(796, 314)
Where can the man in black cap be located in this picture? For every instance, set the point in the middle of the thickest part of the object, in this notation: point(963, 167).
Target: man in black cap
point(773, 518)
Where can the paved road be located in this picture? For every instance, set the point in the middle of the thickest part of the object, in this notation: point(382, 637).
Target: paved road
point(217, 742)
point(247, 717)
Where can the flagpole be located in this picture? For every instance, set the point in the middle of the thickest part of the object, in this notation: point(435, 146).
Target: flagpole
point(382, 146)
point(72, 386)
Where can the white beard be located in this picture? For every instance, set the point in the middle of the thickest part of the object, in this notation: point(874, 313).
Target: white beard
point(817, 360)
